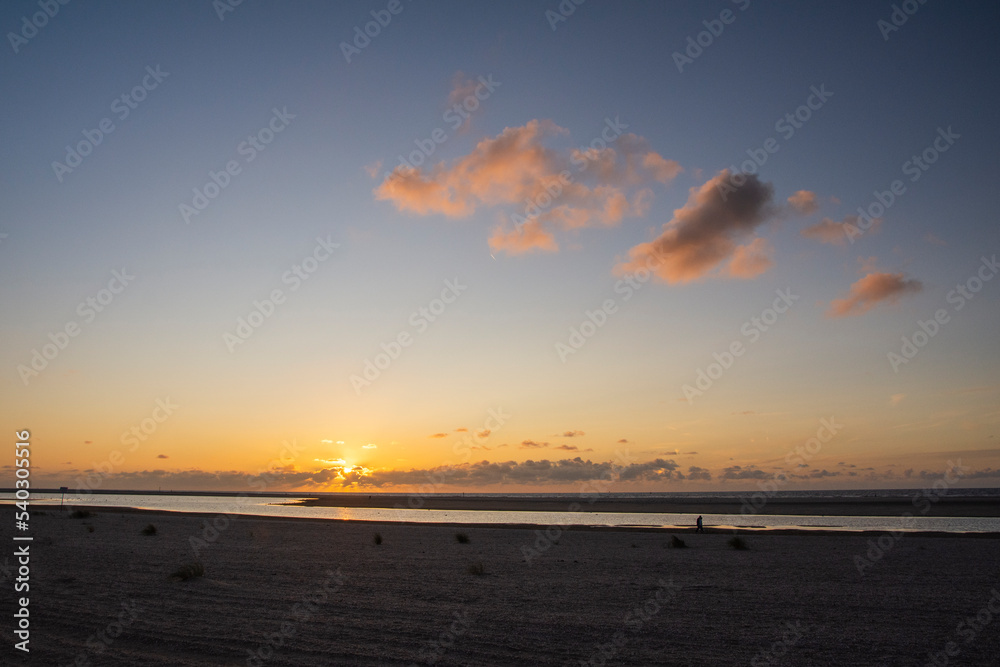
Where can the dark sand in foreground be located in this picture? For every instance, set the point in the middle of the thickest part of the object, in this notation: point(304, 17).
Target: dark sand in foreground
point(725, 607)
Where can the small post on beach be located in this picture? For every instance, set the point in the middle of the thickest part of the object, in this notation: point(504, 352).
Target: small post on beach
point(62, 491)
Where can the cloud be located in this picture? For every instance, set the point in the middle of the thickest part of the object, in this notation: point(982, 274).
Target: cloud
point(896, 399)
point(804, 202)
point(531, 444)
point(369, 446)
point(930, 238)
point(569, 448)
point(749, 261)
point(330, 442)
point(438, 435)
point(695, 472)
point(461, 430)
point(622, 441)
point(871, 290)
point(373, 168)
point(485, 433)
point(707, 232)
point(162, 456)
point(572, 434)
point(548, 188)
point(563, 471)
point(750, 472)
point(832, 232)
point(529, 237)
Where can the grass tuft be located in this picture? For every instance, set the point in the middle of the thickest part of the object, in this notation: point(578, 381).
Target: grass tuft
point(738, 543)
point(81, 514)
point(149, 530)
point(377, 538)
point(90, 528)
point(677, 543)
point(477, 569)
point(189, 571)
point(461, 538)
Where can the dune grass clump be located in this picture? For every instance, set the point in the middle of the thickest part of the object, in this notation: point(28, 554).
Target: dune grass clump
point(81, 514)
point(738, 543)
point(477, 569)
point(189, 571)
point(90, 528)
point(461, 538)
point(677, 543)
point(149, 530)
point(377, 538)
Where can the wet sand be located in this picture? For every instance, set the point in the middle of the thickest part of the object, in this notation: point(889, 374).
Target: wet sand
point(586, 597)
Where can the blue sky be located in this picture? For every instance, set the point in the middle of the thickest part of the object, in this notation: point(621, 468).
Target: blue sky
point(324, 176)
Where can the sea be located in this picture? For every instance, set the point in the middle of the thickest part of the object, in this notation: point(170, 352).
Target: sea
point(278, 506)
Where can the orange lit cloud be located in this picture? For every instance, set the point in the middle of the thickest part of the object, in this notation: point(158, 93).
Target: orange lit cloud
point(804, 202)
point(836, 233)
point(546, 188)
point(438, 435)
point(572, 434)
point(528, 238)
point(705, 234)
point(751, 260)
point(531, 444)
point(871, 290)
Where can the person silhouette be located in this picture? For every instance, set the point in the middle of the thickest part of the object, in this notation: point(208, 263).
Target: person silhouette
point(701, 527)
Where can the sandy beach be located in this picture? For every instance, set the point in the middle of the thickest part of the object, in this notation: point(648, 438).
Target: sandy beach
point(307, 592)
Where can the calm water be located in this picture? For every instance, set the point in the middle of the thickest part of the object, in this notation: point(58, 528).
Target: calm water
point(271, 507)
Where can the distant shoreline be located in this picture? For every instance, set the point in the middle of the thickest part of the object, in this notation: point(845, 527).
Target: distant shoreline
point(881, 506)
point(709, 529)
point(949, 506)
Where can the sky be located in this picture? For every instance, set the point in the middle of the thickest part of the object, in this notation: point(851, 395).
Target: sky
point(511, 247)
